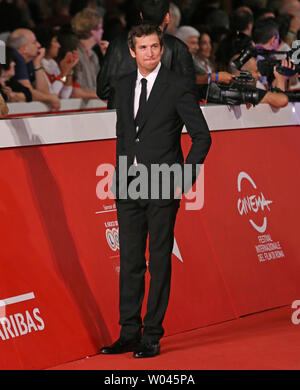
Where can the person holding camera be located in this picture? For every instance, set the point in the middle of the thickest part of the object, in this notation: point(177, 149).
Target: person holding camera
point(266, 37)
point(275, 99)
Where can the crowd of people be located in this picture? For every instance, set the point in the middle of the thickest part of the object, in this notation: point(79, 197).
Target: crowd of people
point(63, 49)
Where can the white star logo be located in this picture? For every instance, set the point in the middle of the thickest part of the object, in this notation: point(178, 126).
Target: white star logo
point(176, 251)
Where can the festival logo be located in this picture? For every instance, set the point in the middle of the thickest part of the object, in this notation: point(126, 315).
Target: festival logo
point(257, 207)
point(253, 204)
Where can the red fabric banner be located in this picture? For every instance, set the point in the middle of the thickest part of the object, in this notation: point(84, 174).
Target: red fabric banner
point(59, 244)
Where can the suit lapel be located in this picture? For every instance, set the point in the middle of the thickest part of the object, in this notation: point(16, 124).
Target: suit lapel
point(158, 89)
point(130, 99)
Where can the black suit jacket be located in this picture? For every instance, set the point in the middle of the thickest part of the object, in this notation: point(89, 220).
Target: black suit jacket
point(171, 105)
point(118, 62)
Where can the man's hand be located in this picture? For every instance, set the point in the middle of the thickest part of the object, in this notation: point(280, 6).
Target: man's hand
point(38, 59)
point(54, 102)
point(280, 80)
point(225, 77)
point(70, 60)
point(103, 46)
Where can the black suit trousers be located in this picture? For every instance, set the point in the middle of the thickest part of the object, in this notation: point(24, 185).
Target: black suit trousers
point(138, 220)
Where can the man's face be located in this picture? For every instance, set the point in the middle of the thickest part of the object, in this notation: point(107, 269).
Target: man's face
point(148, 53)
point(98, 32)
point(33, 46)
point(276, 42)
point(193, 45)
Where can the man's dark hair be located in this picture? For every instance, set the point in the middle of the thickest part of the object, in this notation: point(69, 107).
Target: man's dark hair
point(241, 19)
point(141, 30)
point(68, 42)
point(154, 10)
point(284, 22)
point(264, 30)
point(44, 36)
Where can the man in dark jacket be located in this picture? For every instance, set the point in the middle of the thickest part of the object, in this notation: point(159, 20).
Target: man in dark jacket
point(118, 61)
point(153, 104)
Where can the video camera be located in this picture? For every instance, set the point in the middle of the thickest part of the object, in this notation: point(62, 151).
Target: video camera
point(237, 92)
point(240, 92)
point(266, 66)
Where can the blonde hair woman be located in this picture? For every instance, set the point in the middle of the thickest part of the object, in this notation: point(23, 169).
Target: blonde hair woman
point(87, 26)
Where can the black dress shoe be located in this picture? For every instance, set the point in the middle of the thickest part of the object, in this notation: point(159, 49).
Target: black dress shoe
point(146, 350)
point(120, 346)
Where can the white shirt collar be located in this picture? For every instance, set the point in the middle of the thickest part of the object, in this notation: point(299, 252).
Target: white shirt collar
point(151, 76)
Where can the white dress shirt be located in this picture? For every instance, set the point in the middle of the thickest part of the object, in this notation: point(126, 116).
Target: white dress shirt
point(138, 86)
point(138, 89)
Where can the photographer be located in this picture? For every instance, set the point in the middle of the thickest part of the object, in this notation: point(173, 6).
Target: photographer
point(275, 71)
point(245, 88)
point(275, 99)
point(266, 37)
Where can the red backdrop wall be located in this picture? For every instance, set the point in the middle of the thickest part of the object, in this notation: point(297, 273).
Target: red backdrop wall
point(59, 244)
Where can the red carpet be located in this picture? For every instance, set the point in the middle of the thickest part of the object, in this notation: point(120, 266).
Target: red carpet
point(261, 341)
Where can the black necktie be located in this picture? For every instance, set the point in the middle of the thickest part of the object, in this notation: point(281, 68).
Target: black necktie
point(142, 103)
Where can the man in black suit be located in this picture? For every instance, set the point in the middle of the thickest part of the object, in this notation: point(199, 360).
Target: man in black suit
point(153, 104)
point(118, 61)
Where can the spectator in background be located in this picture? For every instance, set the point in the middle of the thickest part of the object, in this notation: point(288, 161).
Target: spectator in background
point(129, 8)
point(205, 52)
point(291, 7)
point(11, 89)
point(218, 18)
point(59, 77)
point(10, 16)
point(240, 33)
point(87, 25)
point(60, 14)
point(190, 36)
point(114, 24)
point(69, 44)
point(29, 70)
point(266, 36)
point(203, 67)
point(242, 22)
point(185, 10)
point(175, 18)
point(78, 5)
point(254, 5)
point(231, 47)
point(97, 6)
point(27, 18)
point(3, 107)
point(284, 23)
point(265, 13)
point(209, 13)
